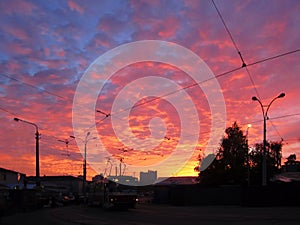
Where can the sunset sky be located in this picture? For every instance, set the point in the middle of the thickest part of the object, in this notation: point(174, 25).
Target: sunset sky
point(47, 47)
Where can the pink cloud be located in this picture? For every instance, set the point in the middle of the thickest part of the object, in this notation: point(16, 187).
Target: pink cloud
point(17, 48)
point(52, 54)
point(75, 7)
point(17, 6)
point(15, 31)
point(168, 28)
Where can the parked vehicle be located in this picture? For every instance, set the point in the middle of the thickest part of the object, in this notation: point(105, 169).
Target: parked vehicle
point(109, 195)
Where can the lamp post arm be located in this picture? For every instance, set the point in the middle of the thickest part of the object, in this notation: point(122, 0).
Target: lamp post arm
point(270, 105)
point(33, 124)
point(262, 107)
point(24, 121)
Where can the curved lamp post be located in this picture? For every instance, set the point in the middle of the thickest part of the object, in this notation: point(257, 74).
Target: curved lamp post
point(85, 141)
point(37, 150)
point(265, 116)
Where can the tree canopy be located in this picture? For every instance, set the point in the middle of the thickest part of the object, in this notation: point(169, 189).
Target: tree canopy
point(236, 164)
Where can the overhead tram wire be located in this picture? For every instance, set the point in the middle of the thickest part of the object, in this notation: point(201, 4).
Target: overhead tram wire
point(244, 65)
point(201, 82)
point(274, 57)
point(276, 130)
point(288, 115)
point(229, 33)
point(33, 86)
point(273, 118)
point(173, 92)
point(167, 94)
point(259, 121)
point(178, 90)
point(154, 99)
point(7, 111)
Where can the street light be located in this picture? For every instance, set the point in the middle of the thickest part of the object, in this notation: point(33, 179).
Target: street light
point(66, 141)
point(85, 141)
point(265, 116)
point(37, 150)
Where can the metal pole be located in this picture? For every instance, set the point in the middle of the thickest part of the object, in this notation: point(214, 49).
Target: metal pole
point(84, 168)
point(84, 160)
point(37, 150)
point(264, 161)
point(37, 158)
point(265, 116)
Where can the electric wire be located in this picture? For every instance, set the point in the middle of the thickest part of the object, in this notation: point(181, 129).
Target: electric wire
point(32, 86)
point(276, 130)
point(274, 57)
point(7, 111)
point(244, 65)
point(193, 85)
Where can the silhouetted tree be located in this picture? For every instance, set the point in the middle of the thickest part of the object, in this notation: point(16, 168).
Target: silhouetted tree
point(230, 164)
point(273, 157)
point(232, 160)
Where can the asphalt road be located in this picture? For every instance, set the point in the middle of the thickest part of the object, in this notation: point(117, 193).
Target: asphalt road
point(158, 215)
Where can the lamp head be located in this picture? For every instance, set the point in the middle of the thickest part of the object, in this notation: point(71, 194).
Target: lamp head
point(254, 98)
point(281, 95)
point(16, 119)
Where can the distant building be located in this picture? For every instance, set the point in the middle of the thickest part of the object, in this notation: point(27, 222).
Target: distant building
point(125, 180)
point(291, 165)
point(11, 179)
point(97, 178)
point(149, 177)
point(170, 181)
point(63, 184)
point(290, 171)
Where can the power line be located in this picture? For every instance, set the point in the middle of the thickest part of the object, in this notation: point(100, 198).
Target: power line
point(5, 110)
point(178, 90)
point(274, 57)
point(276, 130)
point(229, 34)
point(244, 65)
point(273, 118)
point(197, 83)
point(201, 82)
point(187, 87)
point(33, 86)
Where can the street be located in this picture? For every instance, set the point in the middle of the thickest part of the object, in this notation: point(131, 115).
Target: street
point(157, 214)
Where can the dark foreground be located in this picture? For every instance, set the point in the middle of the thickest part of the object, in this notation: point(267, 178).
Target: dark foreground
point(157, 214)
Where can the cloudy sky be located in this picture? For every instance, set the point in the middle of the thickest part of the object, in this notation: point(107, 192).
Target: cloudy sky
point(56, 71)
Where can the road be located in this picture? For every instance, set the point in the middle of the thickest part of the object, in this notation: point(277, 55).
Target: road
point(158, 215)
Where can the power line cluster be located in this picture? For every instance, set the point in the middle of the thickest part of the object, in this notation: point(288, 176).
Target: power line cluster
point(243, 65)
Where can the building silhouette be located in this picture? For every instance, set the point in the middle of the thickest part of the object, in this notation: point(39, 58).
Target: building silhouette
point(149, 177)
point(11, 179)
point(291, 165)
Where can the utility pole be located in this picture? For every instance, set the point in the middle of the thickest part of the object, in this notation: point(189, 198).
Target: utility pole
point(85, 141)
point(37, 150)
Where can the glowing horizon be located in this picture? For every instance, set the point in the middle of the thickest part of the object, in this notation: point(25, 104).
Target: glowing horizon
point(46, 48)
